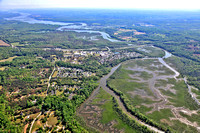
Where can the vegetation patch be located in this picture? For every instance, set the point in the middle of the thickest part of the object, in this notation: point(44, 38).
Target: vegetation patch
point(100, 114)
point(159, 96)
point(52, 120)
point(55, 74)
point(9, 59)
point(2, 68)
point(2, 43)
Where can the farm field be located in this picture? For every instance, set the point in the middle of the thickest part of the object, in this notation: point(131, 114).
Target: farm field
point(153, 90)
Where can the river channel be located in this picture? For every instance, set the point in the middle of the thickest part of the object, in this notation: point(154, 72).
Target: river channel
point(82, 27)
point(76, 27)
point(103, 84)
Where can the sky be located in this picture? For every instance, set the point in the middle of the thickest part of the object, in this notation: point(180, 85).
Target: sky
point(133, 4)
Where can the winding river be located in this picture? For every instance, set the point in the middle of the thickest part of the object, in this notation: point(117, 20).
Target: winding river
point(76, 27)
point(82, 27)
point(103, 84)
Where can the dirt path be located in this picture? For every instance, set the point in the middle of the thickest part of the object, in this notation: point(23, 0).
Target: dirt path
point(25, 127)
point(50, 79)
point(34, 122)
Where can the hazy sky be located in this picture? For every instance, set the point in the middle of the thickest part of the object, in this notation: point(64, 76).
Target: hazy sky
point(150, 4)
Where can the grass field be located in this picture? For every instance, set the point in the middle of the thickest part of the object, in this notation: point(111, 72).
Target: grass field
point(109, 114)
point(155, 52)
point(151, 51)
point(151, 74)
point(100, 114)
point(181, 97)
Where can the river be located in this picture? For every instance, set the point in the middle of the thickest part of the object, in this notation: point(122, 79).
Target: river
point(82, 27)
point(76, 27)
point(103, 84)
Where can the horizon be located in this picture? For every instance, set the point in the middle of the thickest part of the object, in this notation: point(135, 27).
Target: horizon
point(191, 5)
point(109, 9)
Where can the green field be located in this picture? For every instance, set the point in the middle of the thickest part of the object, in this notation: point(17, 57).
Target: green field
point(142, 97)
point(109, 114)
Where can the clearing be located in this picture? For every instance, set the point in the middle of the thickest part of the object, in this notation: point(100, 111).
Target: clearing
point(2, 43)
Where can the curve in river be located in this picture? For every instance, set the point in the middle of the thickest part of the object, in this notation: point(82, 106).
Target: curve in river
point(76, 27)
point(167, 55)
point(103, 84)
point(82, 27)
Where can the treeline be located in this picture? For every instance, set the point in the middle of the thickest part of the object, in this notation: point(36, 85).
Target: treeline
point(7, 52)
point(118, 61)
point(131, 122)
point(28, 62)
point(26, 66)
point(46, 36)
point(136, 113)
point(73, 81)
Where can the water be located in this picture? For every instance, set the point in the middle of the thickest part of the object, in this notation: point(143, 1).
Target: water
point(79, 27)
point(103, 34)
point(167, 55)
point(24, 17)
